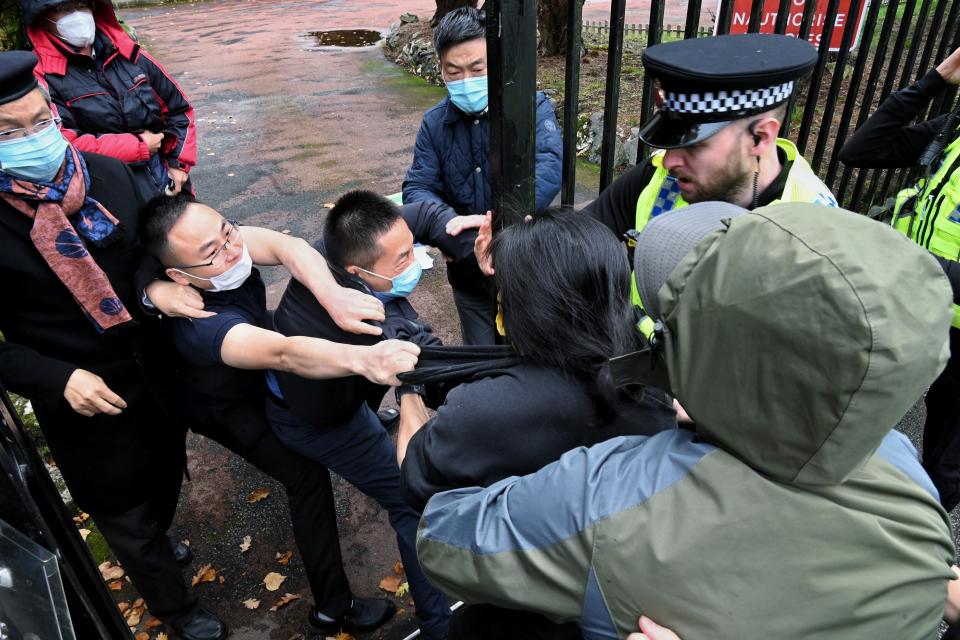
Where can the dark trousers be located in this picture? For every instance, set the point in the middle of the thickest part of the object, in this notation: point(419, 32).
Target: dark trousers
point(941, 433)
point(245, 431)
point(478, 318)
point(360, 452)
point(138, 538)
point(485, 621)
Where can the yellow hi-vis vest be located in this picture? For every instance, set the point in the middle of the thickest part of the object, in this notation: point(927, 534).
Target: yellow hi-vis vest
point(929, 212)
point(662, 194)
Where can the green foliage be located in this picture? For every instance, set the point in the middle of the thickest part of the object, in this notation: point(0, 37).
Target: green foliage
point(11, 32)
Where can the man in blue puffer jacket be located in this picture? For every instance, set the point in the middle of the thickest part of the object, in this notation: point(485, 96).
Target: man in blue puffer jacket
point(451, 160)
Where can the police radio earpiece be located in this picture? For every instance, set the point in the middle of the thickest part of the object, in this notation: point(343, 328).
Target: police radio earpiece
point(752, 130)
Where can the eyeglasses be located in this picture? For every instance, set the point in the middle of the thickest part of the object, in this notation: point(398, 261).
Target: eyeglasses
point(23, 132)
point(233, 234)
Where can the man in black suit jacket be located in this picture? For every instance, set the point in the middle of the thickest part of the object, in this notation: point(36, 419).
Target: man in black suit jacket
point(79, 346)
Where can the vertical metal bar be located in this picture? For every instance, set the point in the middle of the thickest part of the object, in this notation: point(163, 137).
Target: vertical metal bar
point(813, 88)
point(512, 78)
point(612, 97)
point(850, 27)
point(804, 34)
point(852, 92)
point(783, 15)
point(756, 15)
point(571, 103)
point(693, 19)
point(724, 16)
point(654, 36)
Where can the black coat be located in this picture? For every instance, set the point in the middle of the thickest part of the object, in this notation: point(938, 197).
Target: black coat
point(110, 463)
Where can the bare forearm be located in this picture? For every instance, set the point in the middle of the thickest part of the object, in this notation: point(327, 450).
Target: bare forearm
point(318, 359)
point(413, 415)
point(307, 265)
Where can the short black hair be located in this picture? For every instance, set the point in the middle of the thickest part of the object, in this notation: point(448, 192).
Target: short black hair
point(157, 218)
point(460, 25)
point(354, 226)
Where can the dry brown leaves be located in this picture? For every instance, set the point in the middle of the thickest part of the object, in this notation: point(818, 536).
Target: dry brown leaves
point(123, 606)
point(284, 558)
point(390, 584)
point(206, 573)
point(81, 518)
point(257, 495)
point(109, 571)
point(152, 623)
point(273, 580)
point(398, 568)
point(84, 533)
point(285, 600)
point(245, 545)
point(133, 615)
point(115, 585)
point(143, 635)
point(161, 636)
point(343, 635)
point(251, 603)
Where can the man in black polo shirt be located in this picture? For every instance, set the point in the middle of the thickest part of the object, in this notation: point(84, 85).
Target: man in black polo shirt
point(369, 246)
point(222, 358)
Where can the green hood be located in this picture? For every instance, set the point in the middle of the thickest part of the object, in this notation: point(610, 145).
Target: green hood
point(800, 335)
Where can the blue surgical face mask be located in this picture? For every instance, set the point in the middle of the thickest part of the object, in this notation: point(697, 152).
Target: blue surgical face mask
point(403, 284)
point(469, 94)
point(36, 157)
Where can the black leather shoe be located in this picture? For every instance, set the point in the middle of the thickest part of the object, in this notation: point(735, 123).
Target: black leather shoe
point(388, 418)
point(181, 552)
point(363, 614)
point(202, 626)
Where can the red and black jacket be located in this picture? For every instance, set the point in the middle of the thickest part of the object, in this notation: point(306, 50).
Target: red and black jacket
point(107, 100)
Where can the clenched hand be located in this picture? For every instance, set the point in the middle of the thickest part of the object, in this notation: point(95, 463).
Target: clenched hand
point(382, 362)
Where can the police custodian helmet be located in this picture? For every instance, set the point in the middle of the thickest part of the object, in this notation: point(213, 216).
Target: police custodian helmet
point(706, 83)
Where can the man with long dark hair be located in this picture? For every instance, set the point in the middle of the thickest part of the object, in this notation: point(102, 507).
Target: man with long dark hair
point(564, 290)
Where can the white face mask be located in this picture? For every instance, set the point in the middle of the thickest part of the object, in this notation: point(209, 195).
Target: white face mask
point(233, 277)
point(77, 28)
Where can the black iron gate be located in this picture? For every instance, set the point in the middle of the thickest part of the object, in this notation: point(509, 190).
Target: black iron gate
point(899, 40)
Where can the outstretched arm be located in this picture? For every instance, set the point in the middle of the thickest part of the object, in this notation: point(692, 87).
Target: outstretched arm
point(347, 307)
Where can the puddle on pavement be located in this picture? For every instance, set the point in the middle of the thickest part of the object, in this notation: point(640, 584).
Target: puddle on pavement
point(346, 37)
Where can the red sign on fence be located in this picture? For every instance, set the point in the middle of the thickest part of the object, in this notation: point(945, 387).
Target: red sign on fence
point(741, 19)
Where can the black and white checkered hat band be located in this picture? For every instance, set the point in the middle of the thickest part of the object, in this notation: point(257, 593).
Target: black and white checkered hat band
point(736, 101)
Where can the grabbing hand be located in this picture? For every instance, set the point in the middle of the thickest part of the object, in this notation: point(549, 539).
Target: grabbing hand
point(650, 630)
point(179, 176)
point(382, 362)
point(950, 67)
point(458, 224)
point(349, 308)
point(152, 140)
point(481, 246)
point(176, 300)
point(88, 395)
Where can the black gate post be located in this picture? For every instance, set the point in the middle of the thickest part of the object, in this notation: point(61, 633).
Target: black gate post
point(512, 80)
point(30, 503)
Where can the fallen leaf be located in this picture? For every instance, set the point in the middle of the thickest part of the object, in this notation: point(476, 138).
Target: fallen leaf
point(206, 573)
point(81, 517)
point(285, 600)
point(84, 533)
point(402, 589)
point(220, 579)
point(390, 584)
point(284, 558)
point(343, 635)
point(251, 603)
point(143, 635)
point(161, 636)
point(273, 580)
point(245, 545)
point(153, 623)
point(398, 568)
point(123, 606)
point(328, 205)
point(133, 617)
point(257, 495)
point(138, 602)
point(110, 572)
point(115, 585)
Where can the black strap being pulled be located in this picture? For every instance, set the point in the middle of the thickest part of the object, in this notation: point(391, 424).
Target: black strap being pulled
point(457, 364)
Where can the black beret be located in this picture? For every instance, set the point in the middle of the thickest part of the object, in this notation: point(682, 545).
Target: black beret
point(705, 83)
point(16, 75)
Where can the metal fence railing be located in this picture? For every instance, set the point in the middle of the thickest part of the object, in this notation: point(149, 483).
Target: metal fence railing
point(867, 48)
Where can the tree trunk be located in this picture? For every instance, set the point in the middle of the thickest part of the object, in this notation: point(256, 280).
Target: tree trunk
point(552, 25)
point(446, 6)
